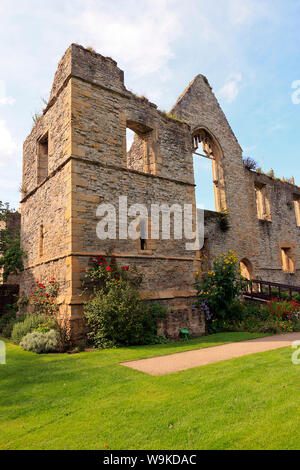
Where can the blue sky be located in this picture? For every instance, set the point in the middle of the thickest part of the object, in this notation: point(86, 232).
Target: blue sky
point(248, 49)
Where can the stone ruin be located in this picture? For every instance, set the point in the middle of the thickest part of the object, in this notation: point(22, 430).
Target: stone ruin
point(75, 158)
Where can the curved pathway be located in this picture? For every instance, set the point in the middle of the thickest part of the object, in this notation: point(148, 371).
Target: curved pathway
point(186, 360)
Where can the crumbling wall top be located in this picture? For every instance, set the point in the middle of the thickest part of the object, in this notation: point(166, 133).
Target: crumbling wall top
point(90, 66)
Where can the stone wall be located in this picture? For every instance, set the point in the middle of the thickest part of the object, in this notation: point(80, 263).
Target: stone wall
point(258, 241)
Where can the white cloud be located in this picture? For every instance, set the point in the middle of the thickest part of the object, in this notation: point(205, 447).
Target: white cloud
point(246, 11)
point(231, 89)
point(7, 144)
point(141, 41)
point(277, 127)
point(4, 99)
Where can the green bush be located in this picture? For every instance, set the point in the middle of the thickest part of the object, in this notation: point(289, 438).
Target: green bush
point(47, 325)
point(29, 324)
point(220, 289)
point(272, 317)
point(7, 322)
point(117, 316)
point(7, 318)
point(41, 342)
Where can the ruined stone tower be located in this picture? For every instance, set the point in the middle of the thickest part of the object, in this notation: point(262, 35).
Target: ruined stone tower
point(75, 158)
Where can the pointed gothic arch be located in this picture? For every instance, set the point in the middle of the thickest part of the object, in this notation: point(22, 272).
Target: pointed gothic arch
point(206, 145)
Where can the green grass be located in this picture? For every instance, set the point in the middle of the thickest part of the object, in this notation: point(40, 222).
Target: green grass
point(87, 400)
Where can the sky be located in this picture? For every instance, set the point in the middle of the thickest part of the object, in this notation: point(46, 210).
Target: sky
point(248, 49)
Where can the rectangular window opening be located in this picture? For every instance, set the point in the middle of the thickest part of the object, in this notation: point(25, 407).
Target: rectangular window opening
point(143, 244)
point(297, 208)
point(262, 202)
point(41, 241)
point(140, 154)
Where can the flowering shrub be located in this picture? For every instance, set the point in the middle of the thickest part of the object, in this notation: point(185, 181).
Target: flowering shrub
point(116, 315)
point(43, 298)
point(219, 291)
point(285, 309)
point(101, 271)
point(274, 317)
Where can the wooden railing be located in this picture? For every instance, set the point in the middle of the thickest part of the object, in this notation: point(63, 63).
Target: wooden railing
point(264, 290)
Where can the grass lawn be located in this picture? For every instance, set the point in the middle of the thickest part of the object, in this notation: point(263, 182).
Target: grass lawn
point(87, 400)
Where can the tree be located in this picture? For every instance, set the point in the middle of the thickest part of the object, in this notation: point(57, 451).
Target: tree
point(11, 254)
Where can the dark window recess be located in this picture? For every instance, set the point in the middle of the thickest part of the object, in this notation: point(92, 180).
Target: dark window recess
point(43, 158)
point(143, 244)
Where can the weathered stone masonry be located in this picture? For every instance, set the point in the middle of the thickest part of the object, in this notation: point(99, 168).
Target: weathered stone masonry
point(75, 158)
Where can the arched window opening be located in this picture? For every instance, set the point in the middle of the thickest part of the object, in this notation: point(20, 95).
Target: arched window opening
point(247, 270)
point(212, 197)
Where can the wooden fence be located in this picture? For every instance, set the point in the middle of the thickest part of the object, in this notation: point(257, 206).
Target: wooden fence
point(264, 290)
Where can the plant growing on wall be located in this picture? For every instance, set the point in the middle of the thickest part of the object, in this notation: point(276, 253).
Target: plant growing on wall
point(249, 163)
point(11, 255)
point(224, 223)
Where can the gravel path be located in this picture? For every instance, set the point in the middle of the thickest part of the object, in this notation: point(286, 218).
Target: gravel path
point(186, 360)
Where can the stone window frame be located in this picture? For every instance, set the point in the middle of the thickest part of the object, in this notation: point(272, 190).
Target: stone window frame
point(296, 198)
point(41, 240)
point(263, 206)
point(150, 244)
point(288, 259)
point(213, 151)
point(145, 134)
point(43, 157)
point(247, 268)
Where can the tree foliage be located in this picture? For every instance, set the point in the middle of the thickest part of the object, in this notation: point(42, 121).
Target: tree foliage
point(11, 254)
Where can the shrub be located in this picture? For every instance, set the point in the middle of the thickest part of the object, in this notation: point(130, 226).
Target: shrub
point(40, 342)
point(273, 317)
point(7, 318)
point(117, 316)
point(43, 298)
point(47, 325)
point(224, 223)
point(7, 322)
point(104, 269)
point(249, 163)
point(29, 324)
point(220, 289)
